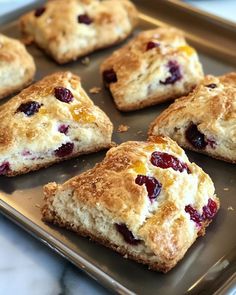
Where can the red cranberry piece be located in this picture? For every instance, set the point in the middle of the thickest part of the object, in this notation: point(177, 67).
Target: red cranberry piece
point(4, 168)
point(63, 94)
point(175, 74)
point(194, 215)
point(63, 129)
point(64, 150)
point(211, 143)
point(127, 234)
point(209, 210)
point(29, 108)
point(212, 85)
point(84, 19)
point(195, 137)
point(151, 45)
point(153, 186)
point(164, 161)
point(109, 76)
point(39, 11)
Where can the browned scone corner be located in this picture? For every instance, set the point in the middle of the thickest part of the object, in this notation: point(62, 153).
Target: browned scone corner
point(145, 200)
point(67, 30)
point(156, 66)
point(17, 67)
point(50, 121)
point(205, 120)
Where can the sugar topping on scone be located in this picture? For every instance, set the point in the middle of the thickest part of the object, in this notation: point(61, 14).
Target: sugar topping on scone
point(50, 121)
point(17, 66)
point(156, 66)
point(144, 200)
point(69, 29)
point(205, 120)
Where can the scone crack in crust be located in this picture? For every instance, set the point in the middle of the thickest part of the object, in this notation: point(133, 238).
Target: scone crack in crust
point(17, 67)
point(70, 29)
point(205, 120)
point(50, 121)
point(156, 66)
point(145, 200)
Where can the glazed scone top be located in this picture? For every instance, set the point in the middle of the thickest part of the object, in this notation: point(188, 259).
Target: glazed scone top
point(20, 133)
point(110, 186)
point(140, 69)
point(211, 106)
point(59, 31)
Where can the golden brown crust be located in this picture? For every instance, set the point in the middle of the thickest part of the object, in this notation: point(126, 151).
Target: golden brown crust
point(58, 31)
point(109, 192)
point(215, 102)
point(17, 66)
point(29, 142)
point(141, 72)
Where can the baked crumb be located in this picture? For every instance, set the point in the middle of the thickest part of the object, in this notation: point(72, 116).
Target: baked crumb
point(37, 205)
point(85, 61)
point(230, 208)
point(140, 132)
point(122, 128)
point(95, 90)
point(226, 188)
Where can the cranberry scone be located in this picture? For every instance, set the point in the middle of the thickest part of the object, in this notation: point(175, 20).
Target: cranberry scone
point(17, 67)
point(70, 29)
point(205, 120)
point(145, 200)
point(156, 66)
point(50, 121)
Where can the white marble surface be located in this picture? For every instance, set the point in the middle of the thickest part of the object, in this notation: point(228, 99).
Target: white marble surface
point(27, 267)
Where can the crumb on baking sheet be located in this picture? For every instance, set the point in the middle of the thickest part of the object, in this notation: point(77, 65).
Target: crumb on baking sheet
point(226, 188)
point(85, 61)
point(95, 90)
point(230, 208)
point(37, 205)
point(122, 128)
point(140, 132)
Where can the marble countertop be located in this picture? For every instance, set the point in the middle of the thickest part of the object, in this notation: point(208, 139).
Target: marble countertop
point(27, 267)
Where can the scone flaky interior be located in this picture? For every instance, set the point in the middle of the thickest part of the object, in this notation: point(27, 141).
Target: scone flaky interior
point(145, 200)
point(156, 66)
point(69, 29)
point(205, 120)
point(50, 121)
point(17, 66)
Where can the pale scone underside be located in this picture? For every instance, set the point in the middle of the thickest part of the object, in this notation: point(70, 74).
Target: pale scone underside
point(108, 197)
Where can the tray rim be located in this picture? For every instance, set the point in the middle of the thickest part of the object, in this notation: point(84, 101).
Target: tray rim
point(55, 244)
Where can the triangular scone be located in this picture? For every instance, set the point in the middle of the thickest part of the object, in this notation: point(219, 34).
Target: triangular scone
point(205, 120)
point(69, 29)
point(50, 121)
point(144, 200)
point(17, 66)
point(156, 66)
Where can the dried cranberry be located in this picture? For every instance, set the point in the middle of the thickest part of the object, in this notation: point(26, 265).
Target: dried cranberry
point(164, 161)
point(211, 143)
point(109, 76)
point(29, 108)
point(151, 45)
point(63, 129)
point(127, 234)
point(195, 137)
point(209, 210)
point(63, 94)
point(4, 168)
point(64, 150)
point(174, 70)
point(84, 19)
point(212, 85)
point(194, 215)
point(153, 186)
point(39, 11)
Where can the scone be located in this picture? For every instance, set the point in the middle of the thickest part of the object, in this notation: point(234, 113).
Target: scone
point(50, 121)
point(145, 200)
point(158, 65)
point(205, 120)
point(17, 66)
point(69, 29)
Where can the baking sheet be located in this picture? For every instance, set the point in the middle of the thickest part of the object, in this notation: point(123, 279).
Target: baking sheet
point(210, 264)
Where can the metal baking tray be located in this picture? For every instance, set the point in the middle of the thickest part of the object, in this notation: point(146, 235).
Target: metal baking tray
point(209, 267)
